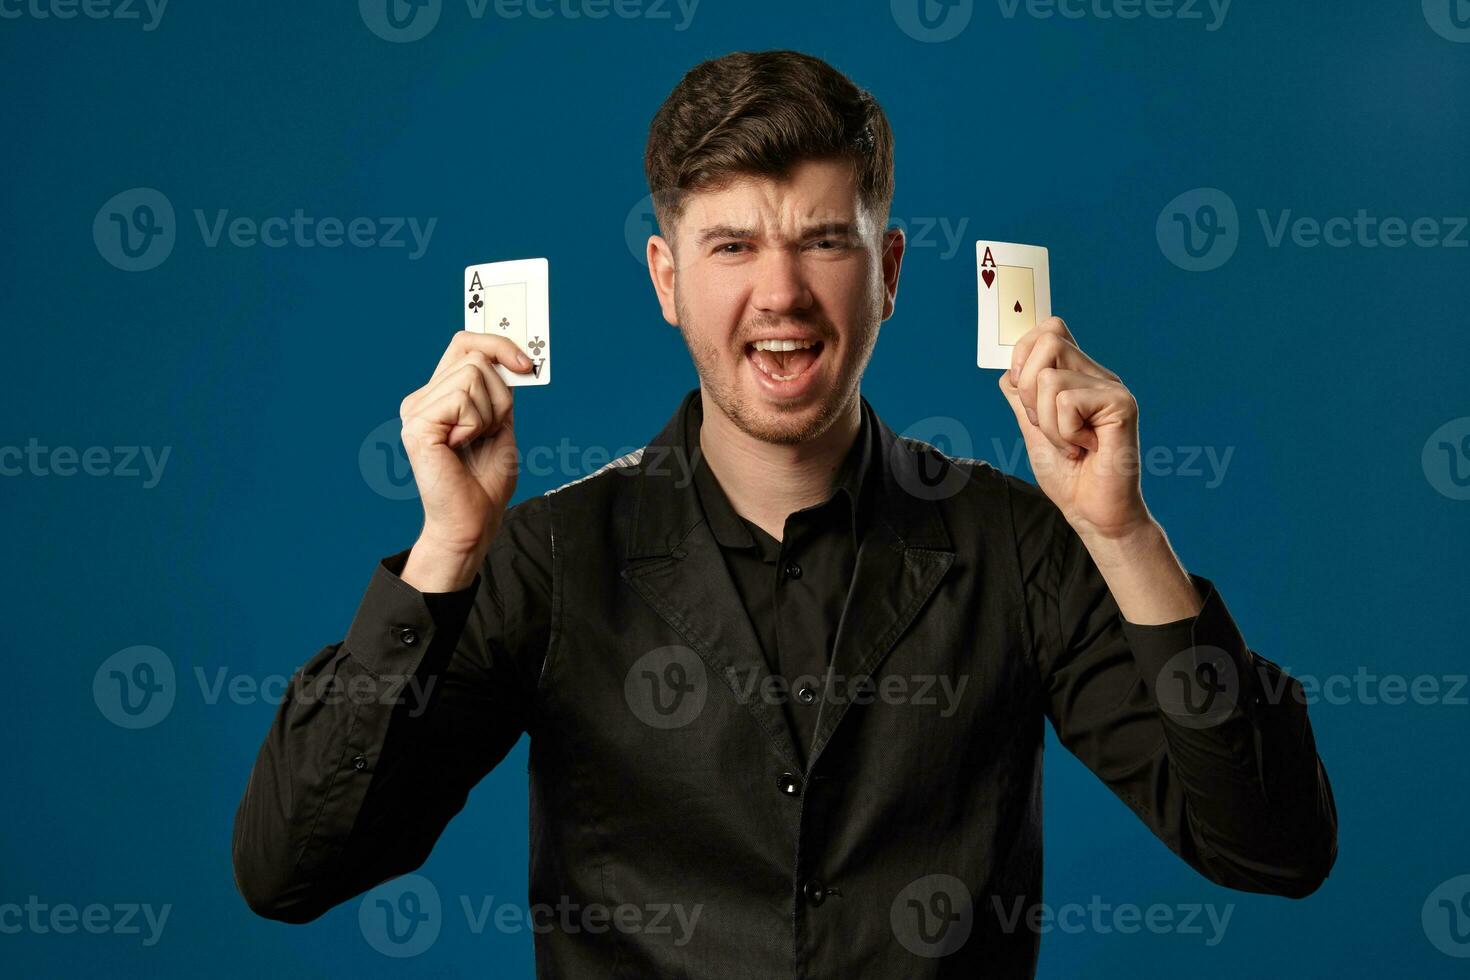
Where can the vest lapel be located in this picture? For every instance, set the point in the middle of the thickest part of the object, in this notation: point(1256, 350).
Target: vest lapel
point(675, 565)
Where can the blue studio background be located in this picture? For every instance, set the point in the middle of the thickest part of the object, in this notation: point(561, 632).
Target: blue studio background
point(1333, 376)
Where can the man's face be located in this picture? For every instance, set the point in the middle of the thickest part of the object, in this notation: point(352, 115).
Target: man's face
point(761, 266)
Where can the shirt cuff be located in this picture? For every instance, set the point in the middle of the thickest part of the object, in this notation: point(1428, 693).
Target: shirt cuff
point(1206, 647)
point(396, 623)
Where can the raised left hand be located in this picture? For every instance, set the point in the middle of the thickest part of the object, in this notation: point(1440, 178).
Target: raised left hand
point(1080, 424)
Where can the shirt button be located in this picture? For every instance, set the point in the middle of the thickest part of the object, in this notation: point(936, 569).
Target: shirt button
point(359, 762)
point(806, 695)
point(815, 893)
point(793, 571)
point(789, 784)
point(408, 636)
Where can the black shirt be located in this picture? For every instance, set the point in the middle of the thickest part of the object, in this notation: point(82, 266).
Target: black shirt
point(793, 589)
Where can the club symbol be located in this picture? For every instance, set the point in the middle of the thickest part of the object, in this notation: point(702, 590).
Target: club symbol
point(537, 345)
point(476, 303)
point(504, 324)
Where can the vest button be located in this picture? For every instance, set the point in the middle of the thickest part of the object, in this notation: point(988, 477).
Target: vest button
point(789, 784)
point(793, 571)
point(806, 695)
point(815, 893)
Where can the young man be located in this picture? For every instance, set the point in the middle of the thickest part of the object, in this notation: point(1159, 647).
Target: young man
point(791, 709)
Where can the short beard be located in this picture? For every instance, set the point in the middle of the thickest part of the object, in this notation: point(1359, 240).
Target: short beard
point(780, 430)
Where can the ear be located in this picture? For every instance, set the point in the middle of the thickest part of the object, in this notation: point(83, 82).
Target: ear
point(661, 271)
point(893, 245)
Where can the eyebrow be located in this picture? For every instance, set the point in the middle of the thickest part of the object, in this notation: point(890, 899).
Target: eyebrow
point(835, 229)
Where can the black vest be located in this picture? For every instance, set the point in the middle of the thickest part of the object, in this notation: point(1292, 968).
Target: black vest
point(663, 773)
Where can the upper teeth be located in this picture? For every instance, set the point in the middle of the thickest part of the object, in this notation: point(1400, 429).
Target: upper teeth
point(783, 345)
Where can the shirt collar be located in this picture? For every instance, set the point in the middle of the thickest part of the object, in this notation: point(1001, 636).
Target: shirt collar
point(853, 480)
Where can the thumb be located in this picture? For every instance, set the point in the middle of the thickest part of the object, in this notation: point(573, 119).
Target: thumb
point(1013, 397)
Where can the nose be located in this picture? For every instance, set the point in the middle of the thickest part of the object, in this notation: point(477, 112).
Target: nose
point(781, 288)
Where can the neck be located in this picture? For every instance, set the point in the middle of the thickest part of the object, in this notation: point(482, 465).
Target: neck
point(767, 482)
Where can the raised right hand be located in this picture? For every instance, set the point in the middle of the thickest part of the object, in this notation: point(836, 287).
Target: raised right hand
point(457, 430)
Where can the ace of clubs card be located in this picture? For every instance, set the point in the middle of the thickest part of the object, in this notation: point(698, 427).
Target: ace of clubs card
point(511, 299)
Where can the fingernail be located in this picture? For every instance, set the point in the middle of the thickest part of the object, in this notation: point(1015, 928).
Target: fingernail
point(523, 360)
point(1031, 414)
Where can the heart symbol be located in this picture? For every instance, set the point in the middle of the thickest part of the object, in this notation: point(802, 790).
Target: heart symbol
point(989, 276)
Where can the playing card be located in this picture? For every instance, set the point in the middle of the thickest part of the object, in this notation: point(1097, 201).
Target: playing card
point(1014, 287)
point(510, 299)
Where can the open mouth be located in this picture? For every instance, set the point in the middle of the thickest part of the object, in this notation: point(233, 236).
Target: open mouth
point(784, 361)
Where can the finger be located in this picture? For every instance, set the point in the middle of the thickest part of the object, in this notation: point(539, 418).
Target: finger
point(439, 420)
point(492, 394)
point(1053, 334)
point(1052, 326)
point(1047, 350)
point(458, 405)
point(1059, 393)
point(1013, 398)
point(502, 350)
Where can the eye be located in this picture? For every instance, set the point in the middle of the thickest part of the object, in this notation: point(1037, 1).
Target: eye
point(730, 248)
point(827, 244)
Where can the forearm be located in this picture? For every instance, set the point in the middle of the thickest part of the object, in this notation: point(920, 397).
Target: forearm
point(1144, 576)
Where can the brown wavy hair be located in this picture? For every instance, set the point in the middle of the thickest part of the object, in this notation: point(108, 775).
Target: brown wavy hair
point(756, 113)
